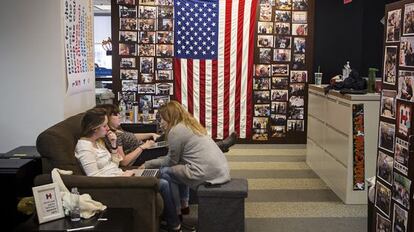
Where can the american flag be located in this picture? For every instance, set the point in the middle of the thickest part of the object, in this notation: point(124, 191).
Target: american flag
point(213, 63)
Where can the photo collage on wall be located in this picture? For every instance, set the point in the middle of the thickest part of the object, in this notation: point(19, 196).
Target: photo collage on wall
point(145, 52)
point(280, 71)
point(393, 187)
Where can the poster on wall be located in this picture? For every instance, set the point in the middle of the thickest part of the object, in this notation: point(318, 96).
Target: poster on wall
point(79, 53)
point(358, 142)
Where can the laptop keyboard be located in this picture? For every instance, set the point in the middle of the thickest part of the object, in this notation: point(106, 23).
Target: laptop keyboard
point(149, 172)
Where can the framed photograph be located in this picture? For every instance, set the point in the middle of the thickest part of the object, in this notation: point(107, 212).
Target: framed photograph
point(296, 113)
point(127, 63)
point(383, 198)
point(261, 96)
point(165, 50)
point(129, 85)
point(165, 2)
point(261, 110)
point(406, 52)
point(146, 78)
point(150, 2)
point(296, 101)
point(393, 26)
point(300, 29)
point(383, 224)
point(147, 12)
point(146, 49)
point(281, 55)
point(260, 122)
point(400, 219)
point(299, 17)
point(401, 156)
point(127, 11)
point(401, 190)
point(298, 61)
point(128, 24)
point(265, 55)
point(405, 85)
point(146, 65)
point(262, 70)
point(298, 76)
point(296, 125)
point(390, 65)
point(127, 96)
point(126, 2)
point(280, 70)
point(145, 100)
point(299, 45)
point(48, 202)
point(127, 36)
point(385, 165)
point(278, 119)
point(265, 13)
point(283, 16)
point(146, 37)
point(297, 89)
point(260, 134)
point(146, 24)
point(127, 49)
point(262, 83)
point(279, 107)
point(265, 41)
point(283, 41)
point(299, 4)
point(283, 4)
point(388, 103)
point(165, 12)
point(146, 89)
point(164, 75)
point(282, 28)
point(165, 63)
point(404, 118)
point(165, 24)
point(279, 95)
point(278, 131)
point(386, 136)
point(165, 37)
point(128, 74)
point(158, 101)
point(265, 28)
point(267, 2)
point(164, 89)
point(408, 19)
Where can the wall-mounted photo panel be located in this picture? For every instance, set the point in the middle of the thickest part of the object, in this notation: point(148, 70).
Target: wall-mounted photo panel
point(278, 131)
point(165, 63)
point(283, 41)
point(407, 52)
point(146, 37)
point(299, 45)
point(393, 26)
point(262, 110)
point(261, 96)
point(280, 70)
point(408, 28)
point(400, 219)
point(385, 165)
point(265, 55)
point(262, 70)
point(300, 29)
point(147, 12)
point(283, 4)
point(262, 83)
point(390, 65)
point(146, 65)
point(278, 119)
point(265, 27)
point(401, 190)
point(279, 107)
point(280, 82)
point(129, 85)
point(282, 16)
point(404, 118)
point(128, 74)
point(127, 11)
point(164, 89)
point(127, 49)
point(158, 101)
point(265, 13)
point(383, 198)
point(405, 85)
point(146, 89)
point(164, 75)
point(128, 24)
point(127, 63)
point(299, 4)
point(265, 41)
point(296, 125)
point(279, 95)
point(298, 76)
point(260, 135)
point(299, 17)
point(388, 103)
point(386, 136)
point(282, 28)
point(401, 156)
point(296, 113)
point(383, 224)
point(128, 36)
point(260, 122)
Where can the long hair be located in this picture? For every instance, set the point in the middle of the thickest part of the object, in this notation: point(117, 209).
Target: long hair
point(110, 110)
point(91, 120)
point(174, 113)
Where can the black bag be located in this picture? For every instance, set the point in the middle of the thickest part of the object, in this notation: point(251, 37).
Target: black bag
point(353, 84)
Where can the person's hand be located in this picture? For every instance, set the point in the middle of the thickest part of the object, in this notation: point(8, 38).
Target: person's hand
point(155, 136)
point(147, 144)
point(128, 173)
point(142, 166)
point(112, 137)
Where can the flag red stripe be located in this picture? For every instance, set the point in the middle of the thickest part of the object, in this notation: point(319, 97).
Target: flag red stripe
point(227, 64)
point(249, 107)
point(177, 79)
point(214, 102)
point(190, 88)
point(239, 65)
point(202, 102)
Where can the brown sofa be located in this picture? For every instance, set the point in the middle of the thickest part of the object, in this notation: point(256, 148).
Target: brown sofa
point(56, 146)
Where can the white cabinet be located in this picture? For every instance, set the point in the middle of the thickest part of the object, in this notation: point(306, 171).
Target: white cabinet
point(330, 142)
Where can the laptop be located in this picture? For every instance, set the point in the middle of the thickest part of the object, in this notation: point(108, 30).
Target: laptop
point(146, 172)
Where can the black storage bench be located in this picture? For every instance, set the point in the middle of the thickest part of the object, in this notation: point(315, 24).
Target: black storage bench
point(221, 207)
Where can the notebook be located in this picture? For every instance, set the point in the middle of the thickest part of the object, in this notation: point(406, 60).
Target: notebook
point(146, 172)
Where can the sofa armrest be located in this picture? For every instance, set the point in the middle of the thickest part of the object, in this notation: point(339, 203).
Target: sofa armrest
point(139, 193)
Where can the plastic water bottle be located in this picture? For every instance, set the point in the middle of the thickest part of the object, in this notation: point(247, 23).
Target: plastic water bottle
point(346, 71)
point(145, 112)
point(75, 212)
point(122, 108)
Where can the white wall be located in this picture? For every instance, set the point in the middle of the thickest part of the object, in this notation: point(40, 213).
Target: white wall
point(32, 72)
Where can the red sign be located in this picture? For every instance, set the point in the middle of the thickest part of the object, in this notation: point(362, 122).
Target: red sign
point(347, 1)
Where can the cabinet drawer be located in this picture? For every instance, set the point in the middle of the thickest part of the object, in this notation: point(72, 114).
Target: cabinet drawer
point(316, 106)
point(316, 130)
point(336, 177)
point(338, 115)
point(337, 144)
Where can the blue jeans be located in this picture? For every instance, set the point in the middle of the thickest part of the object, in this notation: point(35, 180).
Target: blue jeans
point(170, 212)
point(180, 191)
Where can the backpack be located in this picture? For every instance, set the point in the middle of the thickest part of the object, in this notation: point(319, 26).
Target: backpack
point(353, 84)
